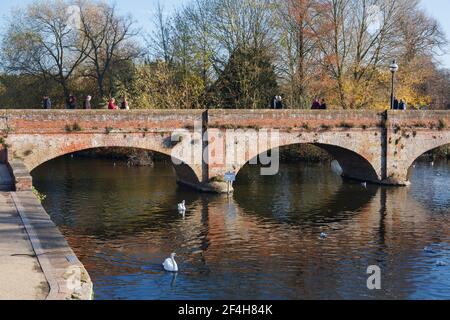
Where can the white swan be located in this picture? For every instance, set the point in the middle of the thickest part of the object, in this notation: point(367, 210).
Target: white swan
point(170, 264)
point(364, 184)
point(182, 206)
point(323, 235)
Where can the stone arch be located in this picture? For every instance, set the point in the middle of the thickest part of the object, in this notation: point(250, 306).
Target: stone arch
point(354, 165)
point(417, 152)
point(40, 149)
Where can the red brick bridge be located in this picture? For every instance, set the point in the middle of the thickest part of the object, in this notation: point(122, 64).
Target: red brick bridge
point(370, 146)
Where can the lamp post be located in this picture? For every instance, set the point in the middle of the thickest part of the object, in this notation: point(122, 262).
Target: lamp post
point(394, 68)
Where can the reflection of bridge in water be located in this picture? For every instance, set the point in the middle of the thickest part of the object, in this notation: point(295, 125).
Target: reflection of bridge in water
point(221, 236)
point(370, 146)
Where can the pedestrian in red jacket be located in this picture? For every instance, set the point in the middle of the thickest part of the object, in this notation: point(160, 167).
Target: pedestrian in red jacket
point(112, 104)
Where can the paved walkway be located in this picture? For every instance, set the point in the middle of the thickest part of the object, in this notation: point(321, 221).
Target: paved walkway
point(36, 262)
point(21, 277)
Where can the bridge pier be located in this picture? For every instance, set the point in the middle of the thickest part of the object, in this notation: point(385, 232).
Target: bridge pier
point(208, 187)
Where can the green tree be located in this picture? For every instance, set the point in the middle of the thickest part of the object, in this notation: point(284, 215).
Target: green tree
point(248, 80)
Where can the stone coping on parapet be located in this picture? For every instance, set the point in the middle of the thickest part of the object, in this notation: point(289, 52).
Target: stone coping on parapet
point(65, 274)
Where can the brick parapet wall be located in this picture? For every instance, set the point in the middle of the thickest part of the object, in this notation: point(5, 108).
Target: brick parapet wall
point(97, 121)
point(312, 119)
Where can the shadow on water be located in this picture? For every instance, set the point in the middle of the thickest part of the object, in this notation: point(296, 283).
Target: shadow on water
point(261, 243)
point(303, 194)
point(116, 200)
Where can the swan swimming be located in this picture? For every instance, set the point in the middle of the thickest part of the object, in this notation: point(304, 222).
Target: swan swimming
point(364, 184)
point(170, 264)
point(323, 235)
point(182, 206)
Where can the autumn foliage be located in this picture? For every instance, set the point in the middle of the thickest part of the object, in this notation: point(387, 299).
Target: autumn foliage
point(226, 54)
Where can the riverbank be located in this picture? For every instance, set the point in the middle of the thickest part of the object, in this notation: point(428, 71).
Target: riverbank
point(36, 262)
point(124, 223)
point(21, 275)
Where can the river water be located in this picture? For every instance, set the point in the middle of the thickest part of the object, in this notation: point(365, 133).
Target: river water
point(262, 243)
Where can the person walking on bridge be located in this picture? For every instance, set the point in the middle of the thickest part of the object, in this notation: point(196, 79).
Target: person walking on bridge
point(87, 102)
point(402, 105)
point(72, 102)
point(124, 105)
point(278, 102)
point(112, 104)
point(396, 104)
point(273, 102)
point(316, 104)
point(46, 102)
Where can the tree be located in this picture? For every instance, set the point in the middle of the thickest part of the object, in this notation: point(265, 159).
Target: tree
point(358, 38)
point(43, 40)
point(419, 34)
point(229, 53)
point(202, 46)
point(160, 41)
point(110, 39)
point(439, 88)
point(298, 50)
point(248, 81)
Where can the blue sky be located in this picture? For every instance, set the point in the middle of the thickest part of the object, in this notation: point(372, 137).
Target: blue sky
point(143, 11)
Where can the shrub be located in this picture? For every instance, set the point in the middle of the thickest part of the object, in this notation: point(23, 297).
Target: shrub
point(346, 125)
point(76, 127)
point(68, 128)
point(41, 197)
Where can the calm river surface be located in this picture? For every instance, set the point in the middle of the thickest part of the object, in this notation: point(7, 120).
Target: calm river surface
point(262, 243)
